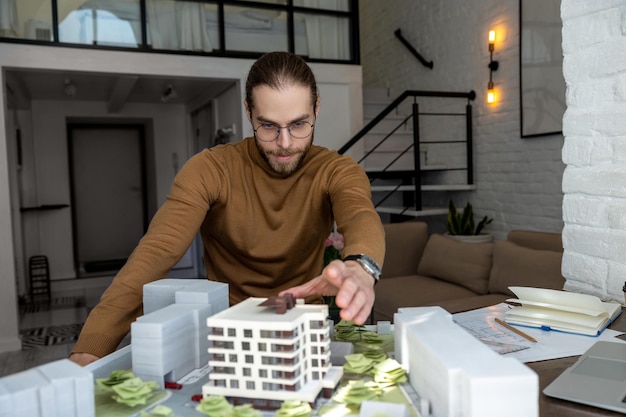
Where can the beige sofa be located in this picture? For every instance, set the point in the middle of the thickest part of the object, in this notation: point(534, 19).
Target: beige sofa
point(423, 270)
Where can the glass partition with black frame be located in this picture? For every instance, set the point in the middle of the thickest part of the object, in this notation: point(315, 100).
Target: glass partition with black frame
point(542, 86)
point(319, 30)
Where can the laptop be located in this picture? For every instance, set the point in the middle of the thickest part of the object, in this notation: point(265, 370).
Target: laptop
point(598, 378)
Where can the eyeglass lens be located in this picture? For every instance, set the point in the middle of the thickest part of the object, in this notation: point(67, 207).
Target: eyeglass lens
point(298, 130)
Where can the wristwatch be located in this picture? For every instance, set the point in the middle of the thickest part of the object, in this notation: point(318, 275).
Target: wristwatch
point(370, 265)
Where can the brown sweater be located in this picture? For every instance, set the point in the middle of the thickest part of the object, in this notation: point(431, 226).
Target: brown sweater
point(261, 233)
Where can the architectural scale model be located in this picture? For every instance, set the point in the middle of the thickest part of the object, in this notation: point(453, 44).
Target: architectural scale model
point(55, 389)
point(262, 357)
point(456, 374)
point(267, 351)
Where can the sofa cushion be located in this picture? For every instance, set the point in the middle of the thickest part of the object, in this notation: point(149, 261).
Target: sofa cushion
point(405, 244)
point(413, 291)
point(519, 265)
point(465, 264)
point(536, 240)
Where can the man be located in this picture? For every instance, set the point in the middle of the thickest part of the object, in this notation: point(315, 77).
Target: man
point(264, 207)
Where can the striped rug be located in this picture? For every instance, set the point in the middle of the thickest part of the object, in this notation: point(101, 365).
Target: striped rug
point(47, 336)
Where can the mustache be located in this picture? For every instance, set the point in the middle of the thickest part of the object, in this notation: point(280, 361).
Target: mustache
point(283, 152)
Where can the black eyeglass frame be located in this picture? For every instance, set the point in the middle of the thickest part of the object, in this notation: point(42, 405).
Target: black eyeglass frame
point(279, 128)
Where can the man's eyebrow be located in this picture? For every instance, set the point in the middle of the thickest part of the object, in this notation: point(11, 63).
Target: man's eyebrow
point(297, 119)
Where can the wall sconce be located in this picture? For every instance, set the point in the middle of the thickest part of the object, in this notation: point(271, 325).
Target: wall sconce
point(169, 93)
point(69, 88)
point(493, 66)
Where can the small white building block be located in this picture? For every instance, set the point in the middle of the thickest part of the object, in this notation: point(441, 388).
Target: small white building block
point(339, 351)
point(164, 292)
point(161, 293)
point(205, 292)
point(28, 393)
point(72, 386)
point(456, 373)
point(170, 342)
point(260, 356)
point(383, 327)
point(374, 408)
point(5, 402)
point(56, 389)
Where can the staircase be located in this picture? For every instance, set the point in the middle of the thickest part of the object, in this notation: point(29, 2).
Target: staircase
point(405, 183)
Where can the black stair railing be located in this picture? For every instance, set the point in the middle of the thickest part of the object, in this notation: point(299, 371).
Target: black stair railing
point(415, 145)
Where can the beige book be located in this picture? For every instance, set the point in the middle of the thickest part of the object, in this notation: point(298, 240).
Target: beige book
point(561, 311)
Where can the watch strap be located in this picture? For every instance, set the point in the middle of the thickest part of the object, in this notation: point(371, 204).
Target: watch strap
point(369, 264)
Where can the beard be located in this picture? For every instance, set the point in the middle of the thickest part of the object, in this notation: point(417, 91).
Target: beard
point(284, 169)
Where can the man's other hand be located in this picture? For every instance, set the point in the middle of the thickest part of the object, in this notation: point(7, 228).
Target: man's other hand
point(83, 359)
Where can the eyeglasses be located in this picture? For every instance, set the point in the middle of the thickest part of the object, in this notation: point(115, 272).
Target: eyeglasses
point(269, 132)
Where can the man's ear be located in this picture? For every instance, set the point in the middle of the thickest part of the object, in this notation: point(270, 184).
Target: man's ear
point(317, 106)
point(245, 105)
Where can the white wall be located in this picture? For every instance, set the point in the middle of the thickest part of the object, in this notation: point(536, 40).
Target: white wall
point(8, 298)
point(340, 116)
point(518, 180)
point(594, 206)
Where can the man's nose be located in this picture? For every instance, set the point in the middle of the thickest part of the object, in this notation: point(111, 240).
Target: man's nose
point(284, 137)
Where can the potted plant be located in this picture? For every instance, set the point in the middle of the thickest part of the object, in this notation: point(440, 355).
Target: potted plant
point(461, 225)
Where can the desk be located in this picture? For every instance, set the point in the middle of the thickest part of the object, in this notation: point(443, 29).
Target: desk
point(550, 369)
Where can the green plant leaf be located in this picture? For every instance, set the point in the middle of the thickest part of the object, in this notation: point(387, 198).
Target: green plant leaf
point(463, 223)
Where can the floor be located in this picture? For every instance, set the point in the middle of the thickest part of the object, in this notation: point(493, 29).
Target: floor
point(48, 329)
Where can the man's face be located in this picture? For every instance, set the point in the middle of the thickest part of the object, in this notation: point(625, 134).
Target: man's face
point(290, 104)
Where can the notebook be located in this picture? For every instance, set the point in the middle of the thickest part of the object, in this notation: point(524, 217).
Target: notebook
point(598, 378)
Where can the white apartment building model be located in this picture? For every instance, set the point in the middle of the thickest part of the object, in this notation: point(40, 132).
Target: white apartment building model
point(263, 356)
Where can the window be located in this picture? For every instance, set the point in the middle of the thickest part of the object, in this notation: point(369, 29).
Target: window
point(321, 30)
point(234, 383)
point(228, 370)
point(245, 346)
point(262, 373)
point(221, 344)
point(250, 385)
point(249, 359)
point(232, 358)
point(114, 23)
point(217, 331)
point(232, 332)
point(247, 372)
point(247, 333)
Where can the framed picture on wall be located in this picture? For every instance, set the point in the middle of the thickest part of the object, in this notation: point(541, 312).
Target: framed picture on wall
point(542, 86)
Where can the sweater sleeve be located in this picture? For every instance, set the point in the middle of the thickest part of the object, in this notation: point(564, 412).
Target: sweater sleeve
point(170, 234)
point(354, 212)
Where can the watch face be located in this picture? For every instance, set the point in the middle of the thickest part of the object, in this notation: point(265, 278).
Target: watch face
point(371, 265)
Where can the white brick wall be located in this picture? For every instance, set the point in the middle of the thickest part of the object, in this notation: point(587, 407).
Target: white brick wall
point(594, 126)
point(518, 180)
